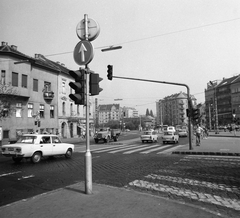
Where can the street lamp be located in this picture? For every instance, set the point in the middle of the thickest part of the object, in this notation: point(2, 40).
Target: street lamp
point(234, 115)
point(111, 48)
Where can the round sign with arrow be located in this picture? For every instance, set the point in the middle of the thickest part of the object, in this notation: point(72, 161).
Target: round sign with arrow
point(83, 53)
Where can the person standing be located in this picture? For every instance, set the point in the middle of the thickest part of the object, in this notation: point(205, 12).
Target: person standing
point(199, 130)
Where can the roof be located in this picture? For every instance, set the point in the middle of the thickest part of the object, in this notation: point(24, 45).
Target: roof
point(108, 107)
point(228, 81)
point(39, 59)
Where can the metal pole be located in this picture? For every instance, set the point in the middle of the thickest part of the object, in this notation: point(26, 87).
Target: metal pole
point(88, 156)
point(178, 84)
point(210, 123)
point(216, 112)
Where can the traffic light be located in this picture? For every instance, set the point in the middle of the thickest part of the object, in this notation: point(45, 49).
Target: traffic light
point(110, 72)
point(94, 88)
point(78, 86)
point(195, 113)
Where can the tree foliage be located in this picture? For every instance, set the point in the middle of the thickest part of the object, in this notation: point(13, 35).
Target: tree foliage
point(7, 101)
point(147, 112)
point(151, 113)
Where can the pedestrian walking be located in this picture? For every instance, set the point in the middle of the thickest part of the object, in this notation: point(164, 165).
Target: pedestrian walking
point(199, 130)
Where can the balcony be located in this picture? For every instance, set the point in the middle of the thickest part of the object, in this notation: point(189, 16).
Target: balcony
point(49, 95)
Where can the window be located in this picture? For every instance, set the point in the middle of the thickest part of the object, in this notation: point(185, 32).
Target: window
point(3, 77)
point(24, 81)
point(14, 79)
point(64, 87)
point(47, 86)
point(35, 85)
point(18, 110)
point(78, 112)
point(71, 109)
point(30, 109)
point(41, 110)
point(63, 108)
point(5, 134)
point(51, 111)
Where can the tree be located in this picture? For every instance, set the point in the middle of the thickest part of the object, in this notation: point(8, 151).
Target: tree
point(147, 113)
point(151, 113)
point(8, 96)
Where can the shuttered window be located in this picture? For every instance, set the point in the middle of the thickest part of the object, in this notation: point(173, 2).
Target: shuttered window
point(14, 79)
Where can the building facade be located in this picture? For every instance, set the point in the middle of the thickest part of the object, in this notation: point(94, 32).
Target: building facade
point(222, 98)
point(41, 95)
point(171, 110)
point(109, 112)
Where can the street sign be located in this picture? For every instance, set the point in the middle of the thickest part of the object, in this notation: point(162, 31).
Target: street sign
point(93, 29)
point(83, 53)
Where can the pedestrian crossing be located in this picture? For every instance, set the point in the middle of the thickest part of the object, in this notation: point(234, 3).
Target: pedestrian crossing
point(136, 148)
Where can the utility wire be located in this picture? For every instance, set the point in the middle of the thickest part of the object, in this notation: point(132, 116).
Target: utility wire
point(163, 34)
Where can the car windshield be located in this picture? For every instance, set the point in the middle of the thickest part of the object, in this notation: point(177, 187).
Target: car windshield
point(27, 139)
point(147, 133)
point(168, 133)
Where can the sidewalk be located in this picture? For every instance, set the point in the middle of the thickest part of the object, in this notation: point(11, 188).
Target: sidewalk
point(106, 201)
point(224, 144)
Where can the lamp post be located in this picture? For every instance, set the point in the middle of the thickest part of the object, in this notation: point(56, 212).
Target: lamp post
point(234, 115)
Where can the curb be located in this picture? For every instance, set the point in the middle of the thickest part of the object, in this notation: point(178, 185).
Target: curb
point(205, 153)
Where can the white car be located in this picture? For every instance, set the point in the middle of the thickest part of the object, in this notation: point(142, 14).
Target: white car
point(182, 133)
point(149, 136)
point(36, 146)
point(170, 136)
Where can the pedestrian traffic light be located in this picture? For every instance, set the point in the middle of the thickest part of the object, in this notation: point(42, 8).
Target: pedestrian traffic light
point(94, 88)
point(110, 72)
point(195, 113)
point(78, 86)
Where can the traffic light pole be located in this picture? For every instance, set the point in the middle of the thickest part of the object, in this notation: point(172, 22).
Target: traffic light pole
point(171, 83)
point(88, 156)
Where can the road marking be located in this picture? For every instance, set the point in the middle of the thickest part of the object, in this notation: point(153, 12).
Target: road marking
point(7, 174)
point(129, 148)
point(170, 150)
point(26, 177)
point(155, 149)
point(140, 149)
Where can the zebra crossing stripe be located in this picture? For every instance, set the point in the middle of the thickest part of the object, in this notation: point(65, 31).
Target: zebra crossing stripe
point(140, 149)
point(170, 150)
point(125, 149)
point(155, 149)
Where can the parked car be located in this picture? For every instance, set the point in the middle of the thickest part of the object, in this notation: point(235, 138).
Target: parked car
point(169, 128)
point(149, 136)
point(182, 133)
point(170, 136)
point(36, 146)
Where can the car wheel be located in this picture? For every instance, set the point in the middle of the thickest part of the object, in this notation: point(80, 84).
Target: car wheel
point(142, 141)
point(36, 157)
point(17, 159)
point(68, 153)
point(96, 141)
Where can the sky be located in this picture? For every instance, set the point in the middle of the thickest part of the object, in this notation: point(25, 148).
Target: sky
point(179, 41)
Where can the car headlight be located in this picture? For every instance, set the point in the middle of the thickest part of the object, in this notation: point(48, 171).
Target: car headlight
point(18, 150)
point(3, 149)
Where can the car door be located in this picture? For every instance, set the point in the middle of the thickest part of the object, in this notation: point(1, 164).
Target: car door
point(46, 145)
point(58, 146)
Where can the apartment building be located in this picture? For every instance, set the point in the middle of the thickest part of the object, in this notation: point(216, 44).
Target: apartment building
point(171, 110)
point(40, 95)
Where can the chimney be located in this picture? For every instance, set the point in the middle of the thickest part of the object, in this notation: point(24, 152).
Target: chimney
point(14, 47)
point(4, 43)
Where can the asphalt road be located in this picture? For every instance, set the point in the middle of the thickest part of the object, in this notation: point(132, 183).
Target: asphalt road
point(210, 182)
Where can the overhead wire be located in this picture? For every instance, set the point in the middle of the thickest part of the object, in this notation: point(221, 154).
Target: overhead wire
point(159, 35)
